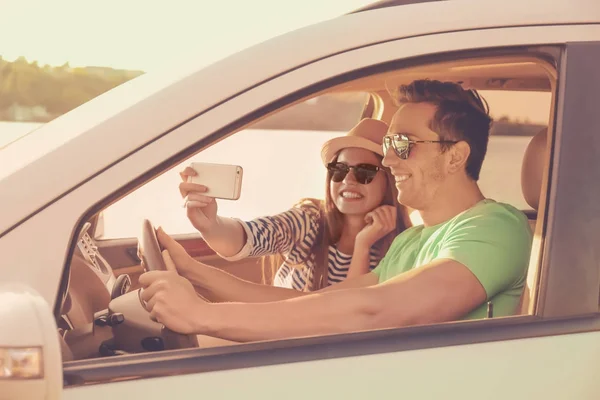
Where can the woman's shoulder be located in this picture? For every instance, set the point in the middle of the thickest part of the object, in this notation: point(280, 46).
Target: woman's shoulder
point(310, 210)
point(309, 205)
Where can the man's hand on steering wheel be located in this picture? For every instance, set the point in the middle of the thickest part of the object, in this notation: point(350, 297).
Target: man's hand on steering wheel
point(182, 261)
point(171, 299)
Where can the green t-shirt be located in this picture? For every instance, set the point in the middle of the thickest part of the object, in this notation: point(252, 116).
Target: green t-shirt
point(492, 239)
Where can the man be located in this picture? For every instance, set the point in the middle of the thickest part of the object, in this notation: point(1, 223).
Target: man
point(469, 250)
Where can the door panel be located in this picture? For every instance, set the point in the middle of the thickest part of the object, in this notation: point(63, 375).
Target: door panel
point(517, 369)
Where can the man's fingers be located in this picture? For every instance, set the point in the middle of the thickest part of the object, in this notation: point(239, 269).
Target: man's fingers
point(154, 315)
point(151, 303)
point(165, 240)
point(151, 293)
point(148, 278)
point(169, 261)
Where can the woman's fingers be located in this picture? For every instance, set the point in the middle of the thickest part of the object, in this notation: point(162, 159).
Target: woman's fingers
point(386, 217)
point(196, 200)
point(390, 217)
point(193, 196)
point(187, 187)
point(188, 171)
point(190, 205)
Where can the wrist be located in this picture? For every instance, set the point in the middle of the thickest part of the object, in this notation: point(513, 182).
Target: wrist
point(362, 244)
point(200, 316)
point(206, 320)
point(210, 227)
point(195, 272)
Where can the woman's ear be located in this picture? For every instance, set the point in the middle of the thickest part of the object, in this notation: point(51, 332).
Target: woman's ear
point(459, 154)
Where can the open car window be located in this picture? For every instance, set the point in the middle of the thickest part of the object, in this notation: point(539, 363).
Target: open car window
point(274, 178)
point(261, 151)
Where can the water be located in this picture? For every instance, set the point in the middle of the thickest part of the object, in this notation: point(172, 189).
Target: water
point(280, 167)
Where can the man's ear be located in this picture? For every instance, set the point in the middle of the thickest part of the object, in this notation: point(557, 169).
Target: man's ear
point(459, 154)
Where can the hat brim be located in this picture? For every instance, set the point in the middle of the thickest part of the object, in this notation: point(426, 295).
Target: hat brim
point(333, 146)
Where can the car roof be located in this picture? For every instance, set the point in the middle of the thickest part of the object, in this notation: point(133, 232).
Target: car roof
point(390, 3)
point(120, 116)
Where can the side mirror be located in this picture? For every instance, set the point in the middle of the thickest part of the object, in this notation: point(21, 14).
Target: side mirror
point(30, 352)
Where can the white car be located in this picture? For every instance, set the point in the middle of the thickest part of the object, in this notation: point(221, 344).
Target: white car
point(73, 195)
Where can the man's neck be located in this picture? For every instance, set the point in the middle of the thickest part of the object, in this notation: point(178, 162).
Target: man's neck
point(451, 203)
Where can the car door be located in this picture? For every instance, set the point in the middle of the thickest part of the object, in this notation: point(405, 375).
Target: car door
point(517, 357)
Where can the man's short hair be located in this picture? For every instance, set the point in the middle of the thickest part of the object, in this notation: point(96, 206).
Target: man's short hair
point(461, 115)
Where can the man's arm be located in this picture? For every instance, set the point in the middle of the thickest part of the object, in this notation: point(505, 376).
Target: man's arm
point(441, 291)
point(171, 300)
point(219, 286)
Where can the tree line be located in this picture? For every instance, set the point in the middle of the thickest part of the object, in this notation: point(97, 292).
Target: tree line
point(33, 93)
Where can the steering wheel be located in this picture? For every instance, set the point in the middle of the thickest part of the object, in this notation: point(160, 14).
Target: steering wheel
point(149, 250)
point(150, 254)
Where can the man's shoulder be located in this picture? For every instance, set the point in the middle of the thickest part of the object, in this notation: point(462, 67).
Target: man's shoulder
point(489, 208)
point(493, 214)
point(406, 236)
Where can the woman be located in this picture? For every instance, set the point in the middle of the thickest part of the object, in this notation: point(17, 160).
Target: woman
point(319, 242)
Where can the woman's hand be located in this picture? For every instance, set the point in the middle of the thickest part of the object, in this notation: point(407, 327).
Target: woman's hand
point(201, 210)
point(380, 222)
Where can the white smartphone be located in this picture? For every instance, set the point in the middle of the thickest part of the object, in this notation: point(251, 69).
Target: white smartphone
point(224, 181)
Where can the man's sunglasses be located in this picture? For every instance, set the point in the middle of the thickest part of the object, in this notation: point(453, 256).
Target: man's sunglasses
point(402, 145)
point(363, 173)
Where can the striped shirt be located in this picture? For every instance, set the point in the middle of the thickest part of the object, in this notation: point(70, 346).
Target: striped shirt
point(292, 234)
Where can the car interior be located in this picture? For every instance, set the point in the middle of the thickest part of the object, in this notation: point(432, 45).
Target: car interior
point(101, 313)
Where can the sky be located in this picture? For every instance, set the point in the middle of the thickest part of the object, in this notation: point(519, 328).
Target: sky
point(149, 34)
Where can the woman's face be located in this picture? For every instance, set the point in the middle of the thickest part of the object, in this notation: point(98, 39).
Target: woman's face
point(349, 195)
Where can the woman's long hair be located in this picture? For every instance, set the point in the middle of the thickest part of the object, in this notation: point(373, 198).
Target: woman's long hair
point(331, 225)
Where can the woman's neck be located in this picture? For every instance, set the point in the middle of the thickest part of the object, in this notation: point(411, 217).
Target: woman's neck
point(353, 224)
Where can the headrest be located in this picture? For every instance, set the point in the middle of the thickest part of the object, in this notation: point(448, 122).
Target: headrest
point(533, 168)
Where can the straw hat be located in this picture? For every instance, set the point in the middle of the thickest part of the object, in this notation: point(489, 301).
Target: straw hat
point(367, 134)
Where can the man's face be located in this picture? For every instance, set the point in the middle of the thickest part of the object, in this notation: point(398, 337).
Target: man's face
point(422, 174)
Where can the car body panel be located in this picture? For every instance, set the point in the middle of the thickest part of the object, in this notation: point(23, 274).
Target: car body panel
point(517, 357)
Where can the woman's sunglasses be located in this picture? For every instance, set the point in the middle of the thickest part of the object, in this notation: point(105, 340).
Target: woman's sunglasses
point(363, 173)
point(402, 145)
